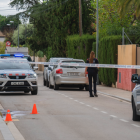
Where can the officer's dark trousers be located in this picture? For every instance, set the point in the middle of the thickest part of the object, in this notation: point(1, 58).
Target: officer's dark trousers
point(92, 74)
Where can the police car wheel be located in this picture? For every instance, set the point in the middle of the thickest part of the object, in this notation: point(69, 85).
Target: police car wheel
point(34, 92)
point(47, 83)
point(135, 116)
point(87, 87)
point(44, 81)
point(56, 87)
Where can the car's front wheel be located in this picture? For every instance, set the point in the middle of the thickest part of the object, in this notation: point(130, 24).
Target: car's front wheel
point(135, 117)
point(34, 92)
point(50, 86)
point(44, 81)
point(47, 83)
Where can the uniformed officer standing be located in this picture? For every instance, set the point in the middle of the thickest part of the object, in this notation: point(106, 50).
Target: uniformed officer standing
point(92, 73)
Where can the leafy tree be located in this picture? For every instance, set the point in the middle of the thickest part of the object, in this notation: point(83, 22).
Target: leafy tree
point(53, 22)
point(25, 31)
point(110, 22)
point(6, 20)
point(126, 5)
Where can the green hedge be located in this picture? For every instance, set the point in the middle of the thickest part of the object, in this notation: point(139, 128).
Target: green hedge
point(107, 54)
point(2, 47)
point(79, 47)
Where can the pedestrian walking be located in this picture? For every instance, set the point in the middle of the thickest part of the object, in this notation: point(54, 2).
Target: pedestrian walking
point(92, 73)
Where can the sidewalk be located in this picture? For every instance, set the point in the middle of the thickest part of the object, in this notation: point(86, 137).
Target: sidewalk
point(115, 92)
point(5, 133)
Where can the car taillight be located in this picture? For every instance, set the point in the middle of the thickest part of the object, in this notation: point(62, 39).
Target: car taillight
point(86, 72)
point(59, 71)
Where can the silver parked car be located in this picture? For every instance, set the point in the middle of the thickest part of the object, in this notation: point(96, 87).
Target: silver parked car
point(48, 69)
point(68, 75)
point(135, 100)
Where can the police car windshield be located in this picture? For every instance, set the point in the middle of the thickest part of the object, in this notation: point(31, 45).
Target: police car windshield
point(14, 65)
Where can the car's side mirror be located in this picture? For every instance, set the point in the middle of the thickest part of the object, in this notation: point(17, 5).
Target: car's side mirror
point(35, 68)
point(135, 78)
point(45, 65)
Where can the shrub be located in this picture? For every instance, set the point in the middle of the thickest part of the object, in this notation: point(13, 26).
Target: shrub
point(107, 54)
point(79, 47)
point(2, 47)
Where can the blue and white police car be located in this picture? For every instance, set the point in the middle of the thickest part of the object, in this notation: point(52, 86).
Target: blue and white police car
point(16, 74)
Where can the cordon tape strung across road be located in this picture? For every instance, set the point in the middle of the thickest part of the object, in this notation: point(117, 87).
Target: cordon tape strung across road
point(89, 65)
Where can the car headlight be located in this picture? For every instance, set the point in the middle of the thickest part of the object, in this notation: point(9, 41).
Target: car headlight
point(31, 75)
point(2, 75)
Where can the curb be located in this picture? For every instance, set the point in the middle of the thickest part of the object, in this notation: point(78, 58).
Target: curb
point(114, 96)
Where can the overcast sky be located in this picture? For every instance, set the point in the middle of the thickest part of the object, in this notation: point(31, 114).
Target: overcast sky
point(4, 8)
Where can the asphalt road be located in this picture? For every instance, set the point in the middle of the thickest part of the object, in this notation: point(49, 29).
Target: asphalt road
point(69, 114)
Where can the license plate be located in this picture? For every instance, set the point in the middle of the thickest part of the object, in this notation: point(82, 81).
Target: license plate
point(73, 74)
point(17, 83)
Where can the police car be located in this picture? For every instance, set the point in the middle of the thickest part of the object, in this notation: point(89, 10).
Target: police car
point(17, 75)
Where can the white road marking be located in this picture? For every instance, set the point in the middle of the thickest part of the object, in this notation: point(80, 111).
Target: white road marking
point(123, 120)
point(104, 112)
point(135, 125)
point(76, 100)
point(113, 116)
point(88, 105)
point(81, 103)
point(66, 96)
point(95, 108)
point(71, 98)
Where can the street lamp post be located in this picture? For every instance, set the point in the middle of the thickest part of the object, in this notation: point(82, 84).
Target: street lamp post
point(13, 24)
point(9, 27)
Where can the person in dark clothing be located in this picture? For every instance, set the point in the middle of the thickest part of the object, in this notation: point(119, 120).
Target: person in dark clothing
point(92, 73)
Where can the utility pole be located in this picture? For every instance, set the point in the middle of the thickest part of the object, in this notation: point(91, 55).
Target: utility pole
point(123, 36)
point(80, 18)
point(18, 34)
point(97, 29)
point(97, 35)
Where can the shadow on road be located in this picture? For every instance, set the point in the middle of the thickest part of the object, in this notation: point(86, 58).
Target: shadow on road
point(70, 89)
point(14, 94)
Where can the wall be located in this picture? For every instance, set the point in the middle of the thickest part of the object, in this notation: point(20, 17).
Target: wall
point(138, 59)
point(126, 56)
point(40, 59)
point(2, 39)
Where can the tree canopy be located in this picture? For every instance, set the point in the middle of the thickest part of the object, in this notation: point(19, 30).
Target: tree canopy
point(53, 22)
point(6, 20)
point(126, 5)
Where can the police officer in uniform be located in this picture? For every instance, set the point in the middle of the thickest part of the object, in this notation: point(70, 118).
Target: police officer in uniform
point(92, 73)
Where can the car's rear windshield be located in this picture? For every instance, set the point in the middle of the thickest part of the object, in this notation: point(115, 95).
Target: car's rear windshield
point(72, 62)
point(7, 64)
point(53, 60)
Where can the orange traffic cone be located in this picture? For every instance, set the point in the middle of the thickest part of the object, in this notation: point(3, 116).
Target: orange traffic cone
point(34, 111)
point(8, 116)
